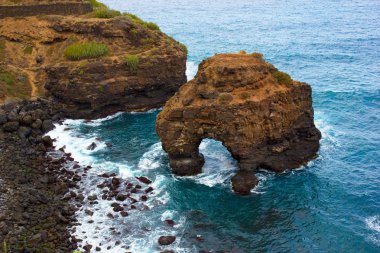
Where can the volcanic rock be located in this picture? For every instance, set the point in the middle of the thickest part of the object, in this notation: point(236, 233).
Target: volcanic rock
point(166, 240)
point(262, 116)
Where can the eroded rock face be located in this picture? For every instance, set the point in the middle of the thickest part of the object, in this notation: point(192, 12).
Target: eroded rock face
point(262, 116)
point(32, 49)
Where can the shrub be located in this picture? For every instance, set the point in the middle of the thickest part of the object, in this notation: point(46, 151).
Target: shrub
point(106, 13)
point(133, 31)
point(244, 95)
point(225, 98)
point(132, 62)
point(152, 26)
point(85, 50)
point(282, 77)
point(96, 4)
point(183, 47)
point(133, 17)
point(257, 55)
point(28, 50)
point(242, 52)
point(6, 77)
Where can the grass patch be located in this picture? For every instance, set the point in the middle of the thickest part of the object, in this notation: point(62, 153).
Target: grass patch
point(13, 87)
point(28, 50)
point(133, 17)
point(106, 13)
point(5, 246)
point(152, 26)
point(225, 98)
point(87, 50)
point(257, 55)
point(7, 78)
point(2, 46)
point(244, 95)
point(133, 31)
point(183, 47)
point(132, 62)
point(282, 77)
point(97, 4)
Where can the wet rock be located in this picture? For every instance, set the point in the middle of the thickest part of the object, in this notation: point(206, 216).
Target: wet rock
point(92, 197)
point(170, 223)
point(120, 197)
point(87, 248)
point(166, 240)
point(47, 125)
point(144, 198)
point(92, 146)
point(144, 180)
point(124, 214)
point(148, 190)
point(244, 181)
point(47, 140)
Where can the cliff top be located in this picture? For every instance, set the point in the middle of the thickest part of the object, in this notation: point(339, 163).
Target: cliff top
point(37, 2)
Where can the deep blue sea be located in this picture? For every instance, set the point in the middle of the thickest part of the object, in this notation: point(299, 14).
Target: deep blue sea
point(331, 205)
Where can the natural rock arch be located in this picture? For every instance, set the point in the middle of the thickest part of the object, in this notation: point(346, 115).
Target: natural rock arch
point(261, 116)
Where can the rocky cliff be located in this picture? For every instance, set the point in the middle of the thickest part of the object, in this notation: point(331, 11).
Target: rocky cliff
point(95, 64)
point(262, 116)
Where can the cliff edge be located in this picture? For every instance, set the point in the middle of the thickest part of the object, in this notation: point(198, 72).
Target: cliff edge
point(262, 116)
point(94, 64)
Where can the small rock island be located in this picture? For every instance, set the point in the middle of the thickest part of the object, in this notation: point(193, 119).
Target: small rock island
point(263, 117)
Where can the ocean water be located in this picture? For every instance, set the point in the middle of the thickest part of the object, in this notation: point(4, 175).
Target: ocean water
point(330, 205)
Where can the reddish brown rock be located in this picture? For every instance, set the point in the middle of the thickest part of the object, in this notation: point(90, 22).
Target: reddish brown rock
point(262, 116)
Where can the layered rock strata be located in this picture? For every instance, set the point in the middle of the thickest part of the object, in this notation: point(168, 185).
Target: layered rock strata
point(141, 69)
point(262, 116)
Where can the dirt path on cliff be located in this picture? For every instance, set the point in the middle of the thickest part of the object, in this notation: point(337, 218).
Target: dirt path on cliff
point(30, 75)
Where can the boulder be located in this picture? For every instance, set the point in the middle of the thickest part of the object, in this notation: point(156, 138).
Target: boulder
point(47, 125)
point(24, 132)
point(263, 117)
point(166, 240)
point(11, 126)
point(244, 181)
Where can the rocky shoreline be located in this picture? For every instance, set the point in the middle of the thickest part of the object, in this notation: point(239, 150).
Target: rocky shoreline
point(34, 215)
point(41, 193)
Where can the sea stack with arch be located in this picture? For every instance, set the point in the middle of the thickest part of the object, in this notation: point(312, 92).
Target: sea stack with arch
point(263, 117)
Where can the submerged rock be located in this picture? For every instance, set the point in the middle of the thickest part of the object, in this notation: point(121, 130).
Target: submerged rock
point(262, 116)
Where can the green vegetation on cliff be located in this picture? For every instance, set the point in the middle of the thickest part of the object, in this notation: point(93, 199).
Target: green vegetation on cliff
point(97, 4)
point(106, 13)
point(132, 62)
point(282, 77)
point(86, 50)
point(13, 85)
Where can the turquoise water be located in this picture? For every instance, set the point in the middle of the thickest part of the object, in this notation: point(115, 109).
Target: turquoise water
point(331, 205)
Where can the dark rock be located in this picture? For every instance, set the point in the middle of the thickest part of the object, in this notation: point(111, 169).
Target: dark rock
point(148, 190)
point(244, 181)
point(166, 240)
point(87, 248)
point(24, 132)
point(121, 197)
point(47, 140)
point(27, 120)
point(92, 146)
point(3, 117)
point(124, 214)
point(170, 223)
point(11, 126)
point(47, 125)
point(144, 180)
point(92, 197)
point(37, 124)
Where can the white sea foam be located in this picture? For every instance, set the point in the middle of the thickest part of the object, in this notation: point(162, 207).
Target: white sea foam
point(219, 165)
point(152, 159)
point(191, 70)
point(373, 223)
